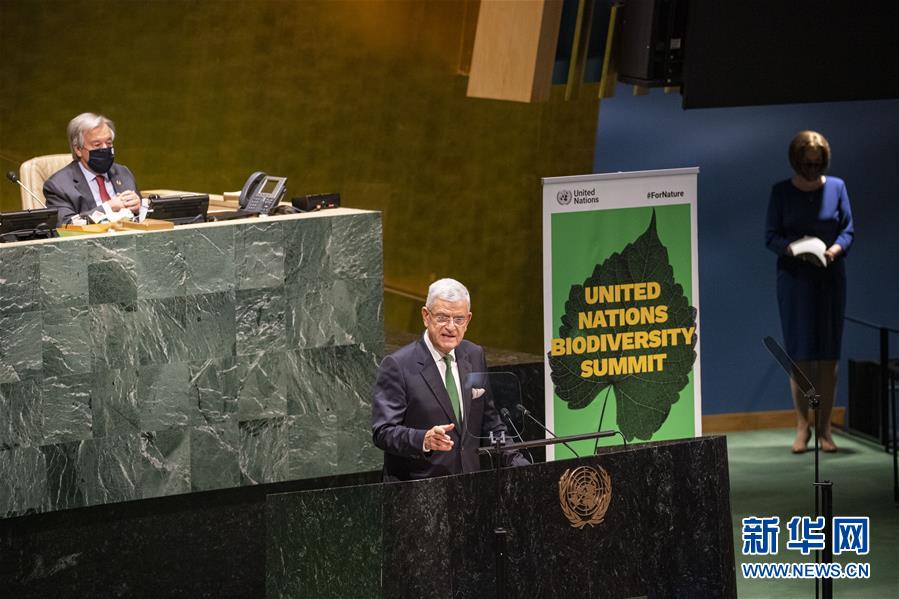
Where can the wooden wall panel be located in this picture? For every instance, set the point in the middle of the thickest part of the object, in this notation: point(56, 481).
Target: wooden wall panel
point(514, 50)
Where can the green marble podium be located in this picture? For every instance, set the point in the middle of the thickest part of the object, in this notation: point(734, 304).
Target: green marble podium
point(138, 365)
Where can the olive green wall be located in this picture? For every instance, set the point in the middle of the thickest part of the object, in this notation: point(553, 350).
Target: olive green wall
point(364, 98)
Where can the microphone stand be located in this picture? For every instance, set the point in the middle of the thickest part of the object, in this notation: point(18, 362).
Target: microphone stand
point(527, 413)
point(11, 175)
point(500, 534)
point(823, 489)
point(505, 414)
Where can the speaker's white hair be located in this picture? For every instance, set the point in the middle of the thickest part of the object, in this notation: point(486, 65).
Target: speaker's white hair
point(85, 122)
point(448, 290)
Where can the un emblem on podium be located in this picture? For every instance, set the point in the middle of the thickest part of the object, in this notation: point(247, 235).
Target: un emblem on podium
point(584, 495)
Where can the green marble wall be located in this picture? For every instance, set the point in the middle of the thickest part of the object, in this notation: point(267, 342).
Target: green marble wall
point(143, 365)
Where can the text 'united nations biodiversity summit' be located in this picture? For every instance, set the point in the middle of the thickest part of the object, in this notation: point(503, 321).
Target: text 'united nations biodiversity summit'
point(646, 336)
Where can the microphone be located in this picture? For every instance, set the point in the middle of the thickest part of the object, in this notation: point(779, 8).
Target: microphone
point(11, 175)
point(505, 413)
point(527, 413)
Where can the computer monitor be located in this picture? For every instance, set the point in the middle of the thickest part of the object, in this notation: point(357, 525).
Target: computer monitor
point(180, 209)
point(28, 224)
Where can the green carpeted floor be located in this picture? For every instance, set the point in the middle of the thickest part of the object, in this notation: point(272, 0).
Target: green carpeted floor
point(767, 480)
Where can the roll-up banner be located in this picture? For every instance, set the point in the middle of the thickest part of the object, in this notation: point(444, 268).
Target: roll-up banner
point(621, 307)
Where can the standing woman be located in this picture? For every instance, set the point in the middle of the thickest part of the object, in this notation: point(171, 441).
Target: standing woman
point(811, 297)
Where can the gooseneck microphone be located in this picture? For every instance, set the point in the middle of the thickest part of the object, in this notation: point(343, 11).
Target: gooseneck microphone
point(527, 413)
point(11, 175)
point(505, 414)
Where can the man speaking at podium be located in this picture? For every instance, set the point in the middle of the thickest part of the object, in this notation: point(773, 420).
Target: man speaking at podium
point(427, 414)
point(91, 180)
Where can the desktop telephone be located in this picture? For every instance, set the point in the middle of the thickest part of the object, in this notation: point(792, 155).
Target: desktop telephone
point(262, 193)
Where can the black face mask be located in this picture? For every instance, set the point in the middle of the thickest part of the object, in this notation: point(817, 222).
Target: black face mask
point(811, 171)
point(100, 160)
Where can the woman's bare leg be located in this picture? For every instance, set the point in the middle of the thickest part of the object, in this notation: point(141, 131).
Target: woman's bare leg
point(800, 403)
point(826, 385)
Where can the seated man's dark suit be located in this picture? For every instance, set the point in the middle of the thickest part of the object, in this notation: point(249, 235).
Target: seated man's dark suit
point(410, 398)
point(68, 191)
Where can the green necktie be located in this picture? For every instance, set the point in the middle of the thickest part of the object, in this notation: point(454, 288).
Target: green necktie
point(450, 381)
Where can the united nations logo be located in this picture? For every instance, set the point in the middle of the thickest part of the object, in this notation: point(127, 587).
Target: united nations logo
point(564, 197)
point(584, 495)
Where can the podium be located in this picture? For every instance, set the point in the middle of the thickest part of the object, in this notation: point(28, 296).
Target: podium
point(665, 531)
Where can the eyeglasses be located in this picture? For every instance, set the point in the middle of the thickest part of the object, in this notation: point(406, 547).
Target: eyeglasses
point(443, 319)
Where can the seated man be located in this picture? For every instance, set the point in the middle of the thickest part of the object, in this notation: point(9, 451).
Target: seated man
point(91, 179)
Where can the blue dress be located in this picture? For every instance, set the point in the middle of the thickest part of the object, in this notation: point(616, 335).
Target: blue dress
point(811, 299)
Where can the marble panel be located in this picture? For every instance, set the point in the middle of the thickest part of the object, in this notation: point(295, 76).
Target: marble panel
point(165, 397)
point(336, 381)
point(113, 341)
point(21, 414)
point(295, 524)
point(217, 385)
point(356, 452)
point(215, 456)
point(307, 254)
point(311, 318)
point(261, 320)
point(264, 450)
point(262, 387)
point(20, 280)
point(67, 408)
point(111, 271)
point(327, 379)
point(21, 350)
point(348, 233)
point(160, 328)
point(160, 267)
point(311, 381)
point(210, 325)
point(360, 310)
point(165, 459)
point(340, 312)
point(356, 370)
point(108, 469)
point(23, 481)
point(64, 280)
point(428, 515)
point(114, 403)
point(209, 258)
point(259, 255)
point(66, 341)
point(65, 487)
point(313, 442)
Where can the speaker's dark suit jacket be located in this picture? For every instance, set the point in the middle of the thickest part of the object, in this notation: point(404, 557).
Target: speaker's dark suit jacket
point(69, 192)
point(410, 398)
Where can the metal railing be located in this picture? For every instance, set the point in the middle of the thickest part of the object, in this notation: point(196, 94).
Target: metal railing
point(889, 376)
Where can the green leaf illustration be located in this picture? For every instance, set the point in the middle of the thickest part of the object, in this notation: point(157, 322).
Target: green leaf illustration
point(643, 399)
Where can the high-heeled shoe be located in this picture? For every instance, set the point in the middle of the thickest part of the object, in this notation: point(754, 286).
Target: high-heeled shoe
point(800, 443)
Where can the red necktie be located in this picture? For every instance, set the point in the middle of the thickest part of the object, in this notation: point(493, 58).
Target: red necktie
point(101, 183)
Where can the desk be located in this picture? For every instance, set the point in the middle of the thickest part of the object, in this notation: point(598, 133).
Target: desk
point(214, 355)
